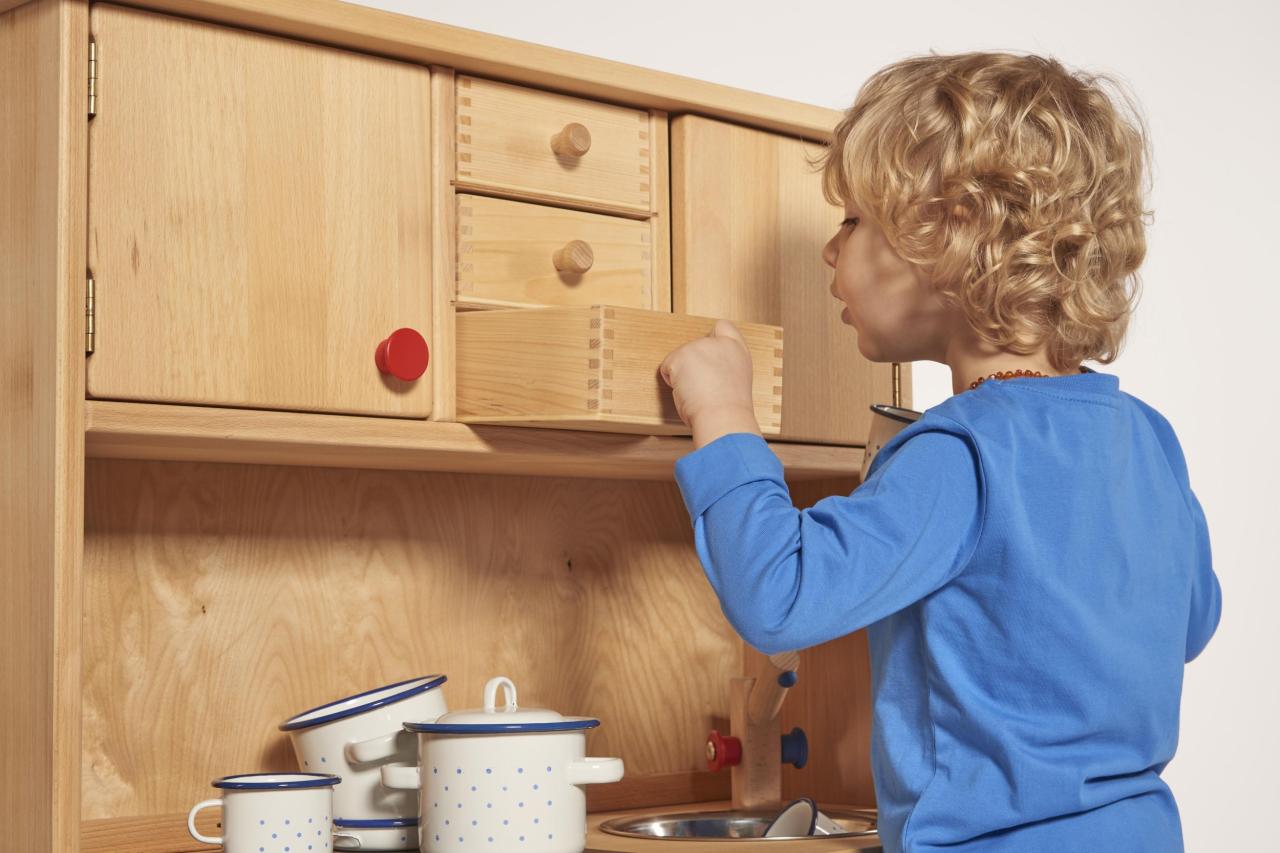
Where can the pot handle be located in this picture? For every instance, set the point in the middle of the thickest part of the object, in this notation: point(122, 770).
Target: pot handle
point(402, 777)
point(348, 839)
point(593, 771)
point(373, 749)
point(491, 693)
point(191, 822)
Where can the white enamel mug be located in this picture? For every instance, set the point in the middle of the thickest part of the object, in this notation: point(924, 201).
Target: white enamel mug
point(355, 737)
point(272, 813)
point(503, 778)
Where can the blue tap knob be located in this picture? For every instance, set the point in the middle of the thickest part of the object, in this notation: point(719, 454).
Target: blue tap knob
point(795, 748)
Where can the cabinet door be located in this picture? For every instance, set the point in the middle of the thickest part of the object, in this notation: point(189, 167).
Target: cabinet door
point(258, 218)
point(748, 225)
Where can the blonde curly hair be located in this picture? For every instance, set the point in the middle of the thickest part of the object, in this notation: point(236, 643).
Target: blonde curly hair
point(1016, 184)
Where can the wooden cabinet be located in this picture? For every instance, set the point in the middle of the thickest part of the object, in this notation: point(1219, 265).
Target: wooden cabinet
point(748, 225)
point(242, 517)
point(259, 218)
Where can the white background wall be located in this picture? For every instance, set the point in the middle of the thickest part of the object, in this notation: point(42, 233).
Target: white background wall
point(1199, 348)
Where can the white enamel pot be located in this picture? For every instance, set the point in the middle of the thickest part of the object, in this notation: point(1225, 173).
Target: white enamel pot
point(355, 737)
point(503, 778)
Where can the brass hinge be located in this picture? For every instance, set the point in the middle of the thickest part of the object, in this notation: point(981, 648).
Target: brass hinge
point(93, 77)
point(88, 316)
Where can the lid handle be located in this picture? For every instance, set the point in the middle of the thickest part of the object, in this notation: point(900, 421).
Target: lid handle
point(491, 693)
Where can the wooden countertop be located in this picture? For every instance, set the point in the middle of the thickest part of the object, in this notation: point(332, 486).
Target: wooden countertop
point(599, 841)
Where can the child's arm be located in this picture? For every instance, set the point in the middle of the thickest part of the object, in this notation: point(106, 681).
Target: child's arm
point(788, 578)
point(1206, 592)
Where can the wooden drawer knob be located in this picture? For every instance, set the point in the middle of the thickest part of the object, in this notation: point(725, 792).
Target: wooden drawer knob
point(574, 256)
point(573, 141)
point(403, 354)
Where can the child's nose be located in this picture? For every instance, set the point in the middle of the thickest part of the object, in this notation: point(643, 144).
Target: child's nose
point(829, 253)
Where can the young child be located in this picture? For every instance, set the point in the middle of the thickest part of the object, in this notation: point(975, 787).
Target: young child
point(1028, 558)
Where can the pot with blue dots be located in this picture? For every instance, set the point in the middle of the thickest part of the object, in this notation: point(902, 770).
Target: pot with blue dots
point(502, 778)
point(355, 737)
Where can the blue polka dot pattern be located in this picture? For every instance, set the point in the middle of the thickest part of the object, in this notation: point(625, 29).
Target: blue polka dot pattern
point(472, 795)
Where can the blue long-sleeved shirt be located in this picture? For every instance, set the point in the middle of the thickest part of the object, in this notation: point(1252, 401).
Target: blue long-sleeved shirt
point(1033, 571)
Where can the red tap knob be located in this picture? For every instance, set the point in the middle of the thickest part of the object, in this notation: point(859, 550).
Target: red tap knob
point(403, 354)
point(722, 751)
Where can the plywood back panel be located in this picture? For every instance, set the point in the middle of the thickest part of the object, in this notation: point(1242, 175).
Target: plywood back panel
point(221, 599)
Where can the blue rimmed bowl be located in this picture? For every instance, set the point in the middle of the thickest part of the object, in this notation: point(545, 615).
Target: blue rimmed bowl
point(396, 834)
point(356, 736)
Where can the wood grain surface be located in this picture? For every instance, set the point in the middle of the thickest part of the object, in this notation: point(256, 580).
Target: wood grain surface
point(43, 112)
point(198, 433)
point(221, 599)
point(506, 255)
point(504, 144)
point(253, 244)
point(748, 225)
point(594, 368)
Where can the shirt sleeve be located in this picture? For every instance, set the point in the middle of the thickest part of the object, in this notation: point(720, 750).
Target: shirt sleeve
point(1206, 592)
point(791, 578)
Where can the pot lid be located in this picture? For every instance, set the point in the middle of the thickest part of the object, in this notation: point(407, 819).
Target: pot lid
point(499, 719)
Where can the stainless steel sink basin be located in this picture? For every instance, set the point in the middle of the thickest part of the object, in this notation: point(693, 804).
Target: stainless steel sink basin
point(736, 825)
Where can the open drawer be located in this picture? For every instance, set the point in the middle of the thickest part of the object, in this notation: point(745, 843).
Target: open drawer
point(592, 367)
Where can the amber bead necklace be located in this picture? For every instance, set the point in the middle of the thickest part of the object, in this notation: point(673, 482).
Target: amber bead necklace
point(1008, 374)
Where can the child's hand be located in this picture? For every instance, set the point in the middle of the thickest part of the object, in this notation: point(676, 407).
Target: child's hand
point(710, 379)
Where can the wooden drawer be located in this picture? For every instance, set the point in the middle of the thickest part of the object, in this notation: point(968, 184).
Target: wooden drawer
point(509, 136)
point(592, 367)
point(516, 254)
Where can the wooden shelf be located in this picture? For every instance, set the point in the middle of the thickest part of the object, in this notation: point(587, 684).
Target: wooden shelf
point(168, 834)
point(120, 430)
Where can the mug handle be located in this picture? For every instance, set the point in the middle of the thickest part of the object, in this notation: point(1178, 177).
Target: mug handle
point(402, 777)
point(348, 839)
point(591, 771)
point(191, 822)
point(373, 749)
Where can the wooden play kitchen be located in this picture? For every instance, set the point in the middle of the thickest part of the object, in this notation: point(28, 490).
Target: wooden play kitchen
point(329, 345)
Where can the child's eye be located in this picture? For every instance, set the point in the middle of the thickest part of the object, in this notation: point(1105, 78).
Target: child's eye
point(852, 220)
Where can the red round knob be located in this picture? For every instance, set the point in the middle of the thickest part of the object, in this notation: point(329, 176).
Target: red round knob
point(722, 751)
point(403, 354)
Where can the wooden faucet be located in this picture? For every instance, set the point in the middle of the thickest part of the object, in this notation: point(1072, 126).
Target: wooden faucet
point(754, 752)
